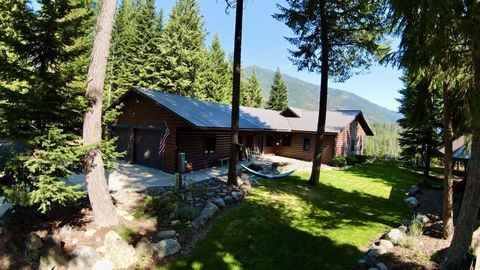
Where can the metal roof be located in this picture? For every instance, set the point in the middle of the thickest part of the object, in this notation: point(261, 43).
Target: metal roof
point(461, 149)
point(205, 114)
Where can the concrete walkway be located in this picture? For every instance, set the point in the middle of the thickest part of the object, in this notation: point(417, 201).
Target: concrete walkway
point(134, 176)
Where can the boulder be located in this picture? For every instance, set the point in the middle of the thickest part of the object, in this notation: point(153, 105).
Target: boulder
point(381, 266)
point(103, 264)
point(395, 235)
point(437, 225)
point(83, 257)
point(33, 244)
point(403, 228)
point(53, 257)
point(422, 218)
point(376, 251)
point(387, 244)
point(219, 202)
point(144, 249)
point(411, 202)
point(366, 262)
point(166, 234)
point(175, 222)
point(228, 198)
point(166, 247)
point(246, 187)
point(118, 251)
point(209, 211)
point(211, 194)
point(4, 206)
point(237, 195)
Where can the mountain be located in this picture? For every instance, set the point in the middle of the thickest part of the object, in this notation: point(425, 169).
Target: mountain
point(305, 95)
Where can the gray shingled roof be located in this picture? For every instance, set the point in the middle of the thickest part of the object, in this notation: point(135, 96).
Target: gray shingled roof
point(461, 147)
point(206, 114)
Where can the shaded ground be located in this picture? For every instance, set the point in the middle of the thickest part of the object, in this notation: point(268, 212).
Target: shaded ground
point(287, 225)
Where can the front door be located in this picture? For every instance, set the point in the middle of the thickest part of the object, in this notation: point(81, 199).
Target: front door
point(260, 144)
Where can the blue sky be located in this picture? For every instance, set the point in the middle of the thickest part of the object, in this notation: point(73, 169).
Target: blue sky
point(264, 45)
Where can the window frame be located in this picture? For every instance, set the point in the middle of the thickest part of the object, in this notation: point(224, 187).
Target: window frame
point(209, 145)
point(283, 142)
point(305, 139)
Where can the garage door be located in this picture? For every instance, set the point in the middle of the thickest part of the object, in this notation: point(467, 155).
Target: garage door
point(146, 148)
point(122, 141)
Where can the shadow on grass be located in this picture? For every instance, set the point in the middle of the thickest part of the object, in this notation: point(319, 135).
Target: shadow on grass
point(287, 225)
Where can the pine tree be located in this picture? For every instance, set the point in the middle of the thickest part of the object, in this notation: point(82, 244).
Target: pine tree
point(278, 99)
point(333, 38)
point(184, 51)
point(217, 76)
point(121, 71)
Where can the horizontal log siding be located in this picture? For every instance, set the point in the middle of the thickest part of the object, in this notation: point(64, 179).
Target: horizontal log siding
point(296, 149)
point(191, 143)
point(140, 111)
point(343, 141)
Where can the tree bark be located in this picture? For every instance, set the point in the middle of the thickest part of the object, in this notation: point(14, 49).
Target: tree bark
point(322, 112)
point(237, 53)
point(447, 211)
point(462, 238)
point(100, 200)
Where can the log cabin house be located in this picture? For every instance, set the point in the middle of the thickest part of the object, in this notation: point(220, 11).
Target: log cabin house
point(201, 130)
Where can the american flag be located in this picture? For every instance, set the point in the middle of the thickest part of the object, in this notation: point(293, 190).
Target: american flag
point(163, 140)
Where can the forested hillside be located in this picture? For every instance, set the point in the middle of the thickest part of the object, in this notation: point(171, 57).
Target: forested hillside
point(385, 141)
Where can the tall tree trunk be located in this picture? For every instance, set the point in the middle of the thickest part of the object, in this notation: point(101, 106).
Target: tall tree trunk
point(447, 211)
point(462, 238)
point(237, 53)
point(100, 200)
point(322, 112)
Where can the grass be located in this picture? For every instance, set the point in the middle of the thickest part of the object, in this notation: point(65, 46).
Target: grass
point(284, 224)
point(126, 233)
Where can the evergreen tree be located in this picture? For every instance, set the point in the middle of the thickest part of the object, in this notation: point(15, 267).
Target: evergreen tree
point(255, 96)
point(121, 71)
point(217, 76)
point(184, 51)
point(333, 38)
point(278, 99)
point(421, 122)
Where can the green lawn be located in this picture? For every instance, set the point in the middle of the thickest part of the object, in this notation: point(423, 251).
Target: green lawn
point(283, 224)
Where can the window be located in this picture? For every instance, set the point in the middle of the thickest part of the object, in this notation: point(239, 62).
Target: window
point(353, 144)
point(240, 139)
point(269, 141)
point(306, 144)
point(209, 145)
point(286, 140)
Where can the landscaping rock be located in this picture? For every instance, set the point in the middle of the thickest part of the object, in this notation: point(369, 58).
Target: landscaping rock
point(175, 222)
point(211, 194)
point(376, 251)
point(395, 235)
point(246, 187)
point(437, 225)
point(166, 247)
point(228, 198)
point(219, 202)
point(366, 262)
point(237, 195)
point(33, 243)
point(411, 202)
point(189, 196)
point(381, 266)
point(387, 244)
point(422, 218)
point(144, 249)
point(67, 230)
point(209, 211)
point(166, 234)
point(90, 232)
point(403, 229)
point(413, 191)
point(118, 251)
point(84, 257)
point(53, 257)
point(103, 264)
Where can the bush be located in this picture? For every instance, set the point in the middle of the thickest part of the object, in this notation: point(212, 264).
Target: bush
point(186, 213)
point(351, 160)
point(360, 158)
point(156, 206)
point(339, 161)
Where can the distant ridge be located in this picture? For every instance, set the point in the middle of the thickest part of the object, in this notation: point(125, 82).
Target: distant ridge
point(305, 95)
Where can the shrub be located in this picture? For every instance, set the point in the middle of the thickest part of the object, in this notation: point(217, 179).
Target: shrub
point(339, 161)
point(360, 158)
point(156, 206)
point(186, 213)
point(351, 160)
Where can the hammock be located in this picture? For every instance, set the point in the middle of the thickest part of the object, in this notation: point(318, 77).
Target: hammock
point(267, 176)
